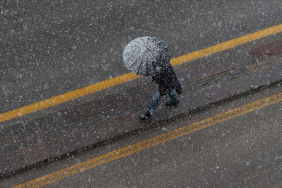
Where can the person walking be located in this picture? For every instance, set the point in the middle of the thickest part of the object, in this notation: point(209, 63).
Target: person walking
point(167, 82)
point(150, 56)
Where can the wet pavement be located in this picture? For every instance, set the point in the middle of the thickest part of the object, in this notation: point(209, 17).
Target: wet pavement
point(49, 48)
point(240, 152)
point(115, 112)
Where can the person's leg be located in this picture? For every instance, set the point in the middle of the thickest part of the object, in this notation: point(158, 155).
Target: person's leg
point(173, 96)
point(155, 101)
point(173, 99)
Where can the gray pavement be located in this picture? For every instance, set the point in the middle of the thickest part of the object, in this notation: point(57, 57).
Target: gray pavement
point(52, 47)
point(205, 82)
point(49, 48)
point(241, 152)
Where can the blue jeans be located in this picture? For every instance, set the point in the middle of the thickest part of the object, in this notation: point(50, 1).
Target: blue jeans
point(157, 97)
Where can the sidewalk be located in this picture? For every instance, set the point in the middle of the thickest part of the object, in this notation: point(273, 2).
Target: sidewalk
point(89, 124)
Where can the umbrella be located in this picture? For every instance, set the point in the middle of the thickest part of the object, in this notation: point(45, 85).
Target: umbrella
point(146, 56)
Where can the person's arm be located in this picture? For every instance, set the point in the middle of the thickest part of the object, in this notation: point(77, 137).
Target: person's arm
point(178, 87)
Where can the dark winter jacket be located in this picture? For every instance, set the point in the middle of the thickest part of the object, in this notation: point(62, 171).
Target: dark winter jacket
point(168, 81)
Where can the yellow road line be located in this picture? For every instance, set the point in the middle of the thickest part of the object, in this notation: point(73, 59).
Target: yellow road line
point(67, 96)
point(130, 76)
point(81, 167)
point(227, 45)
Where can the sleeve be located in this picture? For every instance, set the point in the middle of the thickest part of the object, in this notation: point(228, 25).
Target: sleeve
point(178, 87)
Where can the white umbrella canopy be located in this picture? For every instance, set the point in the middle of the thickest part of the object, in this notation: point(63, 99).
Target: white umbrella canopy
point(146, 56)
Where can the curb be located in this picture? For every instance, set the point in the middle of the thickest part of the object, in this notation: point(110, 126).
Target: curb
point(37, 141)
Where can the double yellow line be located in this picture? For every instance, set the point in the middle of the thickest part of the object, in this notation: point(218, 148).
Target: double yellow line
point(81, 167)
point(130, 76)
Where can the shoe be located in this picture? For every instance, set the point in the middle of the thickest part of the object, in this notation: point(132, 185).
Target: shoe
point(170, 103)
point(146, 116)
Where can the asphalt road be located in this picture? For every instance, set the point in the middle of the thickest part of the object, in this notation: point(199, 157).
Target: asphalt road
point(240, 152)
point(53, 47)
point(49, 48)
